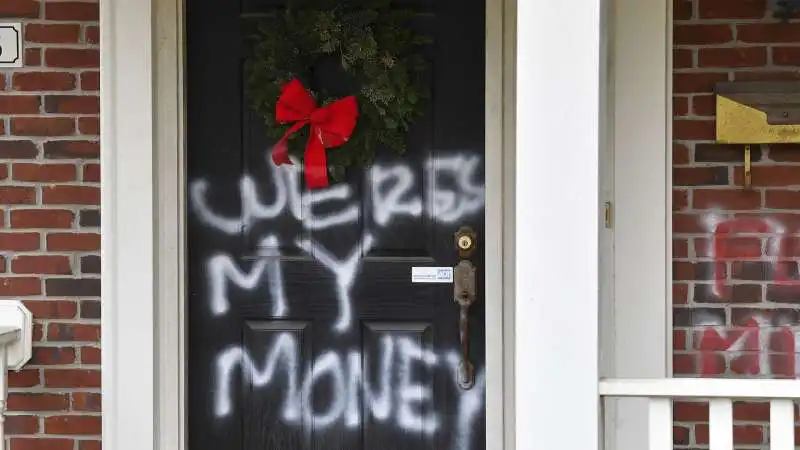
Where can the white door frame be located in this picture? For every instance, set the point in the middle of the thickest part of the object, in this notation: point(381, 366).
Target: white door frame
point(546, 205)
point(637, 318)
point(591, 76)
point(142, 223)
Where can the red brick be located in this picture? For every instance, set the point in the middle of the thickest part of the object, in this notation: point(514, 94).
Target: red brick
point(18, 286)
point(43, 126)
point(43, 172)
point(19, 9)
point(693, 129)
point(70, 149)
point(72, 332)
point(71, 378)
point(80, 425)
point(704, 105)
point(702, 34)
point(38, 402)
point(52, 33)
point(52, 309)
point(769, 175)
point(89, 445)
point(728, 199)
point(680, 293)
point(786, 56)
point(25, 378)
point(697, 83)
point(760, 75)
point(40, 443)
point(17, 195)
point(32, 57)
point(92, 35)
point(680, 200)
point(42, 264)
point(73, 242)
point(49, 356)
point(680, 106)
point(726, 9)
point(71, 195)
point(732, 57)
point(41, 218)
point(690, 411)
point(768, 32)
point(71, 11)
point(72, 57)
point(86, 401)
point(680, 154)
point(90, 81)
point(90, 355)
point(43, 81)
point(682, 58)
point(89, 125)
point(681, 9)
point(91, 173)
point(19, 104)
point(751, 411)
point(18, 149)
point(700, 176)
point(21, 424)
point(780, 199)
point(683, 364)
point(679, 339)
point(72, 104)
point(19, 241)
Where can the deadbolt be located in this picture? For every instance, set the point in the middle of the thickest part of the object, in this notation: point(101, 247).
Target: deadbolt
point(466, 241)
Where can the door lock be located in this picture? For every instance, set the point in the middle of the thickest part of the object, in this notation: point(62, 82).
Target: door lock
point(466, 241)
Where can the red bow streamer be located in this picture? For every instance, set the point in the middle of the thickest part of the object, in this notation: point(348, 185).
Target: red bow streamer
point(331, 126)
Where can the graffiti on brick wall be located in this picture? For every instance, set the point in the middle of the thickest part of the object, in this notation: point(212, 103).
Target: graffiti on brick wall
point(753, 273)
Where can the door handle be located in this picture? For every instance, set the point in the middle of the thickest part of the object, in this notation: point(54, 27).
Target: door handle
point(464, 295)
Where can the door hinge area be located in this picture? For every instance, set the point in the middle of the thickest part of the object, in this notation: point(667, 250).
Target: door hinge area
point(609, 215)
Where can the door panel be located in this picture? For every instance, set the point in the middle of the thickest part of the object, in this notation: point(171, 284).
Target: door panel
point(305, 329)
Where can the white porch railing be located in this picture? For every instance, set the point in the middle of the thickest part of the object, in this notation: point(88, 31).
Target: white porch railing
point(720, 394)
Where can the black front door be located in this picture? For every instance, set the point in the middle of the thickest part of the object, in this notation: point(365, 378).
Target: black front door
point(311, 322)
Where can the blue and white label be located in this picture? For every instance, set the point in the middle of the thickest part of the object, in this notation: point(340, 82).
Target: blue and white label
point(431, 274)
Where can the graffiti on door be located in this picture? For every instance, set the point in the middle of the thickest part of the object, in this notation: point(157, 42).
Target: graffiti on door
point(393, 397)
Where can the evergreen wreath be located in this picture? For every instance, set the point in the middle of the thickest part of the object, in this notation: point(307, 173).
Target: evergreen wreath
point(370, 43)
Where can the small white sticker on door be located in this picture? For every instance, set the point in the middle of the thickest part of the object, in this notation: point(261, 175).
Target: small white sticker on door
point(431, 274)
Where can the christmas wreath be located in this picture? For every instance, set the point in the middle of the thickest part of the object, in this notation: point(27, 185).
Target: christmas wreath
point(346, 74)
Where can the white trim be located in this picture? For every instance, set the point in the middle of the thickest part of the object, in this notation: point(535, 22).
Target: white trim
point(509, 212)
point(641, 124)
point(704, 388)
point(127, 228)
point(557, 193)
point(171, 303)
point(143, 201)
point(493, 277)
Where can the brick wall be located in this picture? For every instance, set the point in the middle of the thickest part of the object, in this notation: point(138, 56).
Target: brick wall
point(734, 249)
point(49, 197)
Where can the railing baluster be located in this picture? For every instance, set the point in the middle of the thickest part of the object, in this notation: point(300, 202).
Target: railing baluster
point(781, 424)
point(720, 393)
point(659, 424)
point(720, 424)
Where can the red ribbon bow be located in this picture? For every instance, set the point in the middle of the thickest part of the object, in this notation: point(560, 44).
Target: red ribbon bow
point(331, 126)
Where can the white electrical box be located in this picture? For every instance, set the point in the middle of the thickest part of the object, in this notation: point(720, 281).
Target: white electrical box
point(10, 45)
